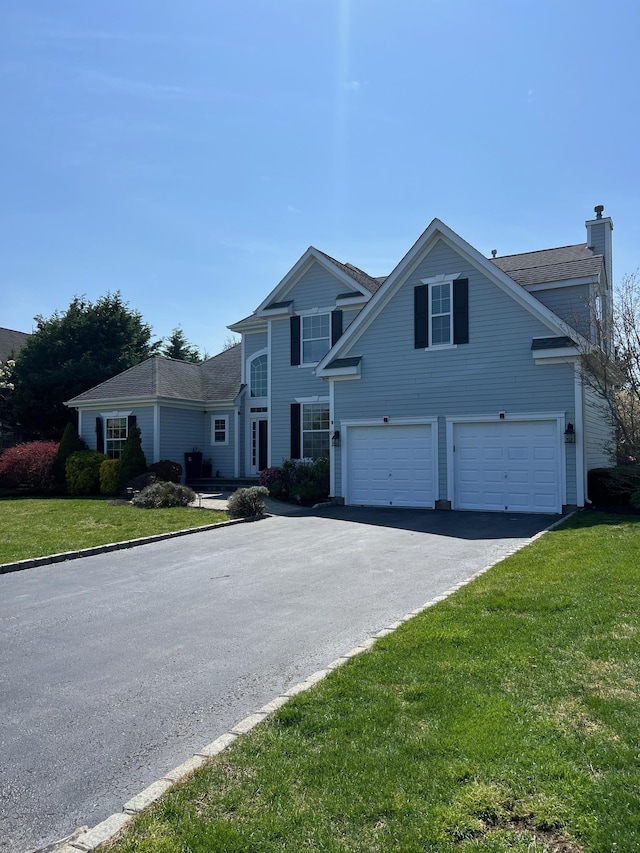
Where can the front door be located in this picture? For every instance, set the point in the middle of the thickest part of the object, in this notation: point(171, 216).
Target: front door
point(259, 444)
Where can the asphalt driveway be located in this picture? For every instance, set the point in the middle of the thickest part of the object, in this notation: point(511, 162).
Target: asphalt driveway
point(117, 667)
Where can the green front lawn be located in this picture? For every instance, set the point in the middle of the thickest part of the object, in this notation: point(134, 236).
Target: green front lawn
point(32, 527)
point(503, 719)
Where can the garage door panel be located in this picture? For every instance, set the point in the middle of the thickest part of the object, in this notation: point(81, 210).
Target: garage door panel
point(511, 466)
point(390, 465)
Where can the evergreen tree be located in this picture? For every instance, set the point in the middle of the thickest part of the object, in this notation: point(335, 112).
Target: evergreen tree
point(132, 458)
point(177, 346)
point(71, 352)
point(69, 443)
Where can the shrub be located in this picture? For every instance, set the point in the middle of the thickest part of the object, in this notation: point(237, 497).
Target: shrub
point(166, 471)
point(132, 458)
point(635, 500)
point(109, 477)
point(69, 443)
point(29, 465)
point(164, 495)
point(306, 493)
point(613, 486)
point(245, 503)
point(83, 472)
point(275, 480)
point(141, 481)
point(303, 480)
point(279, 490)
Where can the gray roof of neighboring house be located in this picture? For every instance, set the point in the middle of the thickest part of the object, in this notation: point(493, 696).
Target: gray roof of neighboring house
point(548, 265)
point(371, 284)
point(11, 342)
point(218, 378)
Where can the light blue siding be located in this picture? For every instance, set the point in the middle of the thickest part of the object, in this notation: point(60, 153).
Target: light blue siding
point(572, 304)
point(180, 431)
point(316, 288)
point(287, 384)
point(599, 432)
point(222, 455)
point(494, 372)
point(254, 342)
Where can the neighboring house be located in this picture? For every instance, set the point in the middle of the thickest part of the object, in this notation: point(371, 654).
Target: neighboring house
point(11, 342)
point(454, 382)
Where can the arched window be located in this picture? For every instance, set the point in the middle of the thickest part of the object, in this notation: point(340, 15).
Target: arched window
point(259, 376)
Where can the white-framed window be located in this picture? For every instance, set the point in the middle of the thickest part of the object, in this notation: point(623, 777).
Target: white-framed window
point(441, 314)
point(315, 430)
point(219, 429)
point(115, 432)
point(259, 376)
point(315, 337)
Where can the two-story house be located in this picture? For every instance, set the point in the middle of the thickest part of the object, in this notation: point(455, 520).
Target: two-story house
point(453, 382)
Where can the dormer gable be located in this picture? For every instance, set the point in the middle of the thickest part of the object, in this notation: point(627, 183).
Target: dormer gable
point(349, 285)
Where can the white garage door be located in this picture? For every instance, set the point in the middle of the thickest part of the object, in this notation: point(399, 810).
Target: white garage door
point(390, 465)
point(509, 465)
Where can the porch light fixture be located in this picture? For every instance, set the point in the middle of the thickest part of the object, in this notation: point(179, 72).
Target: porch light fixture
point(569, 435)
point(335, 439)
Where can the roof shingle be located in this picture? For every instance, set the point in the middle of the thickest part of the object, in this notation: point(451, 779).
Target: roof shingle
point(549, 265)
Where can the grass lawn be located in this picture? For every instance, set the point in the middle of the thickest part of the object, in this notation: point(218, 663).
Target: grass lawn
point(503, 719)
point(33, 527)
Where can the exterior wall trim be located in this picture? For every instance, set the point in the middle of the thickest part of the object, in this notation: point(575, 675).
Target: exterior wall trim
point(558, 285)
point(156, 432)
point(581, 462)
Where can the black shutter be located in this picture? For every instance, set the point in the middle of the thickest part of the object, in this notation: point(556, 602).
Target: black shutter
point(131, 422)
point(461, 311)
point(99, 435)
point(420, 317)
point(295, 430)
point(295, 340)
point(336, 325)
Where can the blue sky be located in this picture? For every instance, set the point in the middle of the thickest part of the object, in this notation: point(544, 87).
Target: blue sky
point(187, 153)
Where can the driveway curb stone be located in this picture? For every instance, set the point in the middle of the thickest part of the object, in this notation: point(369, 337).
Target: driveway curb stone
point(117, 546)
point(108, 829)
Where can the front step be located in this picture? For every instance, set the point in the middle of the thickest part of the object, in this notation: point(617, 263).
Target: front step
point(221, 484)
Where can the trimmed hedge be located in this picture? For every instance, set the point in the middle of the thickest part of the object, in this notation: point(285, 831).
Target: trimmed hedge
point(83, 472)
point(109, 477)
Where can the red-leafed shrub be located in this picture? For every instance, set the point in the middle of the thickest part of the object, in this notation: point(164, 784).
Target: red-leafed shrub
point(29, 466)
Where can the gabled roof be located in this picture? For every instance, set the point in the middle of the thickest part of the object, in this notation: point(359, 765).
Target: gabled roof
point(348, 274)
point(217, 379)
point(437, 230)
point(11, 342)
point(561, 264)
